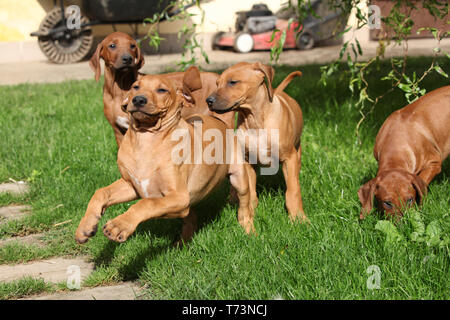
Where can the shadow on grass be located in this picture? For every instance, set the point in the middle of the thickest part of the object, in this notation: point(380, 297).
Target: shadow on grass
point(207, 211)
point(132, 270)
point(316, 106)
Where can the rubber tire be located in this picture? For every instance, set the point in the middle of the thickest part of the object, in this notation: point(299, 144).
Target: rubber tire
point(305, 41)
point(60, 52)
point(241, 34)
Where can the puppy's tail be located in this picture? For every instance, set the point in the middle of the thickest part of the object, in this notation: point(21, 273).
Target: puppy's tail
point(287, 80)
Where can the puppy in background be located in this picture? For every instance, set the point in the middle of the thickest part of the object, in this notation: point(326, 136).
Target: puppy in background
point(410, 148)
point(123, 59)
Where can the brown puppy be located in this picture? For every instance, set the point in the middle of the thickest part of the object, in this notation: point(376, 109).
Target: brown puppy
point(409, 148)
point(242, 88)
point(207, 85)
point(146, 162)
point(123, 59)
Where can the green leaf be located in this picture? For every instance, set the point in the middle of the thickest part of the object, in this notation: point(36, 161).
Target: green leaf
point(405, 87)
point(433, 234)
point(418, 226)
point(407, 78)
point(434, 32)
point(393, 237)
point(444, 242)
point(274, 33)
point(421, 29)
point(354, 50)
point(343, 48)
point(349, 61)
point(440, 71)
point(340, 34)
point(360, 52)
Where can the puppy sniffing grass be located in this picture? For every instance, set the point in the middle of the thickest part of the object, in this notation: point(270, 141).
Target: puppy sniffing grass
point(410, 148)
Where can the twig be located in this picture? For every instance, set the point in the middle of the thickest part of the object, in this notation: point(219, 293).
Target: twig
point(61, 223)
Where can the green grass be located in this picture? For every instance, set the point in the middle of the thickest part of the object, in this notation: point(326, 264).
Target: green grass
point(55, 135)
point(23, 287)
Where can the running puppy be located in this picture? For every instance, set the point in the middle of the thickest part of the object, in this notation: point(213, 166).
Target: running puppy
point(167, 188)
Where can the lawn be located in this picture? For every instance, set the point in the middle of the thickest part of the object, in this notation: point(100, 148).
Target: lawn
point(56, 137)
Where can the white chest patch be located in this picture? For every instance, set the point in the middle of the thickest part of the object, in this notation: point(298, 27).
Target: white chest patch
point(122, 122)
point(141, 185)
point(144, 187)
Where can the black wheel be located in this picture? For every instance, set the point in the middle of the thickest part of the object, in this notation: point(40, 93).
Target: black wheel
point(243, 42)
point(305, 41)
point(67, 46)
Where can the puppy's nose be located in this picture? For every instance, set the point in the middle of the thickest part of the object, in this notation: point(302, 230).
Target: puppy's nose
point(210, 101)
point(139, 101)
point(127, 59)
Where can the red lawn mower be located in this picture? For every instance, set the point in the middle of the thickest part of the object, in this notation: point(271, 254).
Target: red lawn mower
point(254, 28)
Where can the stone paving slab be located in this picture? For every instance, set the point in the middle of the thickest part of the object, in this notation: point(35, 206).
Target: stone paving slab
point(14, 212)
point(46, 72)
point(124, 291)
point(16, 188)
point(30, 239)
point(51, 270)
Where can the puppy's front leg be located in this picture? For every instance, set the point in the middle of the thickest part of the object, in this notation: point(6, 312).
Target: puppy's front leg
point(252, 185)
point(173, 205)
point(118, 192)
point(430, 172)
point(240, 180)
point(291, 171)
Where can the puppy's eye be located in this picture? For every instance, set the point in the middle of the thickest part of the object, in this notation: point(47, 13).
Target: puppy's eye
point(161, 90)
point(387, 204)
point(112, 46)
point(232, 82)
point(136, 87)
point(132, 46)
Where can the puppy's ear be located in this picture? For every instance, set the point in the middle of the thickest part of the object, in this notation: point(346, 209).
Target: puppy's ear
point(268, 74)
point(94, 63)
point(139, 56)
point(192, 79)
point(186, 96)
point(420, 186)
point(191, 82)
point(366, 194)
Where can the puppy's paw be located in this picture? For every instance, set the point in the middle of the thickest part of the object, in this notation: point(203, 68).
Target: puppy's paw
point(86, 230)
point(299, 218)
point(118, 229)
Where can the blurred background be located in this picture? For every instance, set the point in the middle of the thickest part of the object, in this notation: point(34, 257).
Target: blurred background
point(223, 29)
